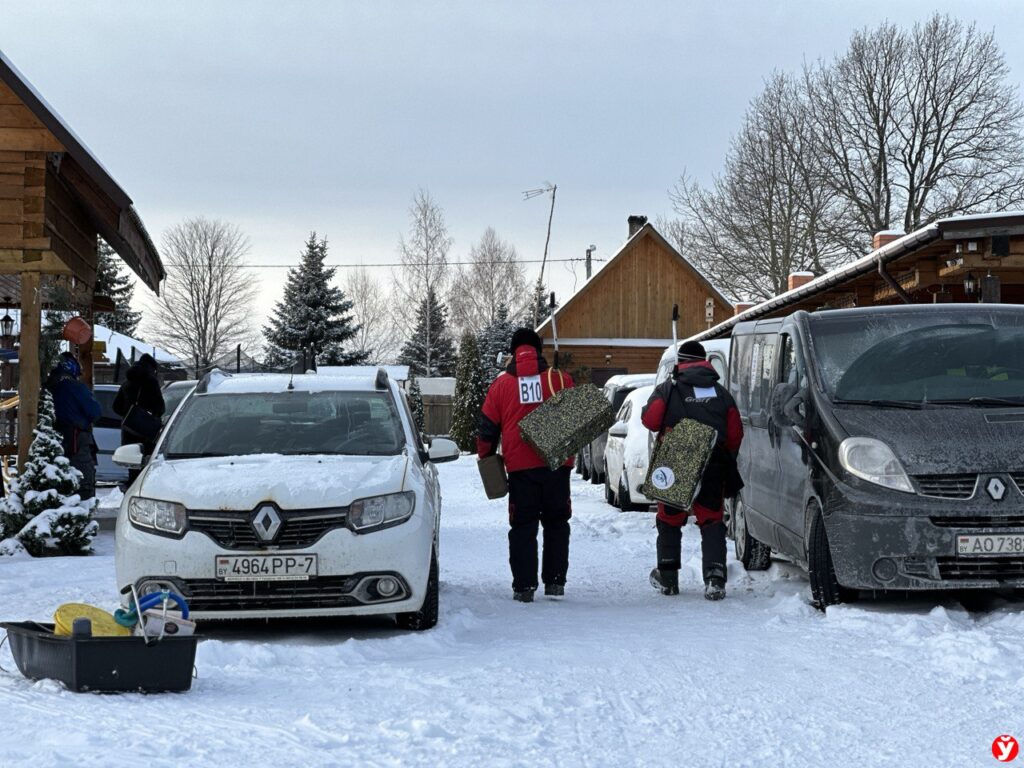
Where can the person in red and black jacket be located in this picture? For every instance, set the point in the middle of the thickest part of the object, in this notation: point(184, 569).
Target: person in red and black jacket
point(696, 394)
point(536, 495)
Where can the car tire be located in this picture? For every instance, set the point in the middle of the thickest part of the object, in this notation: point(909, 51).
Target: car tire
point(596, 477)
point(609, 496)
point(754, 555)
point(625, 500)
point(825, 588)
point(585, 470)
point(426, 617)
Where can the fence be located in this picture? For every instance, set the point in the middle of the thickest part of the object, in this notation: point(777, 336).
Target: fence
point(437, 414)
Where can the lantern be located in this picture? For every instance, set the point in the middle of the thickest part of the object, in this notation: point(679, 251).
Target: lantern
point(970, 284)
point(7, 322)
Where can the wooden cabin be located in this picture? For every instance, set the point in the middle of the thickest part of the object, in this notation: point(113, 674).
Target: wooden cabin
point(56, 199)
point(620, 320)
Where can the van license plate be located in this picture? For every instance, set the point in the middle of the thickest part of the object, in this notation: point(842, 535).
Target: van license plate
point(265, 567)
point(990, 544)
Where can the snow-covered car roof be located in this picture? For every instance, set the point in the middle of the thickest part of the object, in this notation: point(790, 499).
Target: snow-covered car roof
point(265, 383)
point(631, 379)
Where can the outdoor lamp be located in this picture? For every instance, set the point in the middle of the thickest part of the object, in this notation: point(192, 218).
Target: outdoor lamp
point(970, 284)
point(7, 322)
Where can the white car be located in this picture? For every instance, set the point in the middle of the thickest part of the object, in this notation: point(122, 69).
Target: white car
point(278, 496)
point(625, 455)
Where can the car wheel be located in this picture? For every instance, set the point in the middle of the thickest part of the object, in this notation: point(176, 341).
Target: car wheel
point(609, 496)
point(596, 477)
point(426, 616)
point(625, 500)
point(753, 554)
point(825, 588)
point(578, 465)
point(585, 470)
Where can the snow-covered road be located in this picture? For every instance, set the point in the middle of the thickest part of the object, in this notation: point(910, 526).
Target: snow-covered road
point(613, 675)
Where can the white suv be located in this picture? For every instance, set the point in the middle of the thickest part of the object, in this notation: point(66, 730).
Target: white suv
point(285, 496)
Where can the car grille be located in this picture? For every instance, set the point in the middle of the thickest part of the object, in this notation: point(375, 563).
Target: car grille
point(977, 521)
point(320, 592)
point(979, 568)
point(233, 530)
point(947, 486)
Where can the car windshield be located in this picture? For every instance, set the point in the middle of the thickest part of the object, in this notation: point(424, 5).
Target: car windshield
point(288, 423)
point(962, 358)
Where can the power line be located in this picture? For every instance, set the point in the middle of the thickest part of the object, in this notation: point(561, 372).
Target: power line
point(399, 264)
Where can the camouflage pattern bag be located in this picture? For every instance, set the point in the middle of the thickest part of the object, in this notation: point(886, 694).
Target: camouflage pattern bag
point(565, 422)
point(678, 463)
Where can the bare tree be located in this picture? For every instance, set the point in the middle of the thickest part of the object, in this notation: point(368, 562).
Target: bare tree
point(372, 311)
point(206, 306)
point(424, 271)
point(494, 277)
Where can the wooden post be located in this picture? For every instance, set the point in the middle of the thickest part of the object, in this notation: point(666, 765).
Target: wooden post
point(28, 362)
point(85, 357)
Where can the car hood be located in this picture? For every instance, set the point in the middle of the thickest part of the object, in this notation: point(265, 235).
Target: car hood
point(943, 440)
point(291, 482)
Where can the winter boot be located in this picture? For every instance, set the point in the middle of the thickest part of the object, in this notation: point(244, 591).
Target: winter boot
point(554, 590)
point(666, 580)
point(712, 545)
point(714, 587)
point(523, 595)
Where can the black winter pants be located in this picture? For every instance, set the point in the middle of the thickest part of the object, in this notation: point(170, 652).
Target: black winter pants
point(538, 496)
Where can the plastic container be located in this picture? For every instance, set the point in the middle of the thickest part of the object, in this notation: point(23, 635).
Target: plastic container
point(77, 331)
point(102, 664)
point(493, 475)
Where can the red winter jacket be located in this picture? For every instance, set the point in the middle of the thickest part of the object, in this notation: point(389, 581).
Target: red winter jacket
point(696, 394)
point(519, 391)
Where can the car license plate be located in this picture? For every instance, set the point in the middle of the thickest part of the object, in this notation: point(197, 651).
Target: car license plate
point(265, 567)
point(990, 544)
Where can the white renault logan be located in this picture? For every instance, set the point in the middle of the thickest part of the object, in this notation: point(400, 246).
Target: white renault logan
point(285, 496)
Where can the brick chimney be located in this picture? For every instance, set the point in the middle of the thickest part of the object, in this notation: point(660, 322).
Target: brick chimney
point(743, 306)
point(636, 223)
point(796, 279)
point(885, 237)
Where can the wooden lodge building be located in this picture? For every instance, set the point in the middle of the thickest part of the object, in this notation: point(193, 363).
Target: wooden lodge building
point(55, 200)
point(620, 320)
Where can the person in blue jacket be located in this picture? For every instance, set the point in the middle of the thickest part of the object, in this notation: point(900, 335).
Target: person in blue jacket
point(76, 411)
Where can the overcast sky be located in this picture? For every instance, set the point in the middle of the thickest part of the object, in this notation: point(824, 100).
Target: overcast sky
point(288, 117)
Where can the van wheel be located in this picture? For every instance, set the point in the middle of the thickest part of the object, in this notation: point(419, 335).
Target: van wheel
point(753, 554)
point(426, 616)
point(825, 588)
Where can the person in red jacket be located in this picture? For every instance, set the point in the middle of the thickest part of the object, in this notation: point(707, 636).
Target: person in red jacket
point(694, 393)
point(536, 495)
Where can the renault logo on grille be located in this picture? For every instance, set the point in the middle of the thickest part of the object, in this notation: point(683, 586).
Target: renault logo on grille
point(266, 522)
point(996, 488)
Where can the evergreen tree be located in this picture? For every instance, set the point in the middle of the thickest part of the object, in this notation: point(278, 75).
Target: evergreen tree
point(113, 281)
point(42, 512)
point(540, 305)
point(494, 341)
point(416, 403)
point(313, 314)
point(470, 389)
point(430, 351)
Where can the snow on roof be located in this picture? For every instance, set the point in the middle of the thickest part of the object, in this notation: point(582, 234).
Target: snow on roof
point(119, 342)
point(631, 379)
point(437, 385)
point(396, 372)
point(220, 383)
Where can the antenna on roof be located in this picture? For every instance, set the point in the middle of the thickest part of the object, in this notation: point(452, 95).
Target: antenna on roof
point(529, 195)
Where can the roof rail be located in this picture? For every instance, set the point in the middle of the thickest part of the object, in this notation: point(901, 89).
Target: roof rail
point(381, 382)
point(204, 383)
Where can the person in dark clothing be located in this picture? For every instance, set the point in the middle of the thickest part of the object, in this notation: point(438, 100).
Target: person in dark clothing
point(142, 388)
point(694, 393)
point(538, 496)
point(75, 410)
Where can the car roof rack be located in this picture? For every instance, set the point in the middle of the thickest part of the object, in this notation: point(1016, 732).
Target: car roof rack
point(381, 381)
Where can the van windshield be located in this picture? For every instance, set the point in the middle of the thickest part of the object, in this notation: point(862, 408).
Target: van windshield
point(970, 358)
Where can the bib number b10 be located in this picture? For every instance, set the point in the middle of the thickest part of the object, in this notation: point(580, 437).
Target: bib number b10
point(530, 390)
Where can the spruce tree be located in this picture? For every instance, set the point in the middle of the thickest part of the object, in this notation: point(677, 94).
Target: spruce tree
point(494, 341)
point(540, 305)
point(416, 403)
point(470, 389)
point(314, 315)
point(42, 512)
point(113, 281)
point(430, 351)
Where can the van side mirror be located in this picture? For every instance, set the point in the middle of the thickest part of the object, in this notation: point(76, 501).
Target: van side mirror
point(785, 406)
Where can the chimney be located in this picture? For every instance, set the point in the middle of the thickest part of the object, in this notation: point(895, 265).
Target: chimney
point(796, 279)
point(885, 237)
point(743, 306)
point(636, 223)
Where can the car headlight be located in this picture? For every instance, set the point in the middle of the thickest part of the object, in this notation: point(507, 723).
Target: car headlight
point(874, 461)
point(381, 511)
point(158, 516)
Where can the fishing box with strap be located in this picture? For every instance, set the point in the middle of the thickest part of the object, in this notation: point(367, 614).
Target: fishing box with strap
point(678, 462)
point(567, 421)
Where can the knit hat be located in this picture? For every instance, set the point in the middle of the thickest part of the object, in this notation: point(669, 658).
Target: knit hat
point(690, 351)
point(525, 336)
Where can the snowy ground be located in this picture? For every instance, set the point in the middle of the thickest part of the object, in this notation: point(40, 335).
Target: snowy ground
point(613, 675)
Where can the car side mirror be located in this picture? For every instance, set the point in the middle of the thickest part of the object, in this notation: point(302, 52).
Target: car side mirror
point(618, 430)
point(129, 456)
point(442, 449)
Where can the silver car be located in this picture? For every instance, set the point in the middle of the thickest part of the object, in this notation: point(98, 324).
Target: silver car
point(592, 463)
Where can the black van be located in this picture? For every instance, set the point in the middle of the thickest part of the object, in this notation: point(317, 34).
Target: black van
point(884, 446)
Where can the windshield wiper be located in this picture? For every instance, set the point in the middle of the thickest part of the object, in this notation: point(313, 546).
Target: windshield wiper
point(908, 404)
point(172, 456)
point(994, 402)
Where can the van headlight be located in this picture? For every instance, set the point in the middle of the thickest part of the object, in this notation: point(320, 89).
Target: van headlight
point(158, 516)
point(874, 461)
point(381, 511)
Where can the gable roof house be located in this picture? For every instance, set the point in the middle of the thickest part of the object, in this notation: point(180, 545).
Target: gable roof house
point(56, 198)
point(620, 320)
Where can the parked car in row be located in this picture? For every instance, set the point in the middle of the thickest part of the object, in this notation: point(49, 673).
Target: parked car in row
point(616, 389)
point(174, 393)
point(107, 433)
point(882, 447)
point(626, 454)
point(273, 495)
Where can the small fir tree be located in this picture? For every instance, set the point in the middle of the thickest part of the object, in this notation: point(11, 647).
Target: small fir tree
point(429, 350)
point(470, 389)
point(314, 315)
point(540, 305)
point(114, 282)
point(416, 403)
point(42, 512)
point(494, 341)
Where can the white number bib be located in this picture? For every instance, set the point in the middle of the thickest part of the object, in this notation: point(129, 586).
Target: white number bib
point(530, 390)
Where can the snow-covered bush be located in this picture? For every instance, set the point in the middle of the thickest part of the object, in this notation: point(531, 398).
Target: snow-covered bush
point(42, 512)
